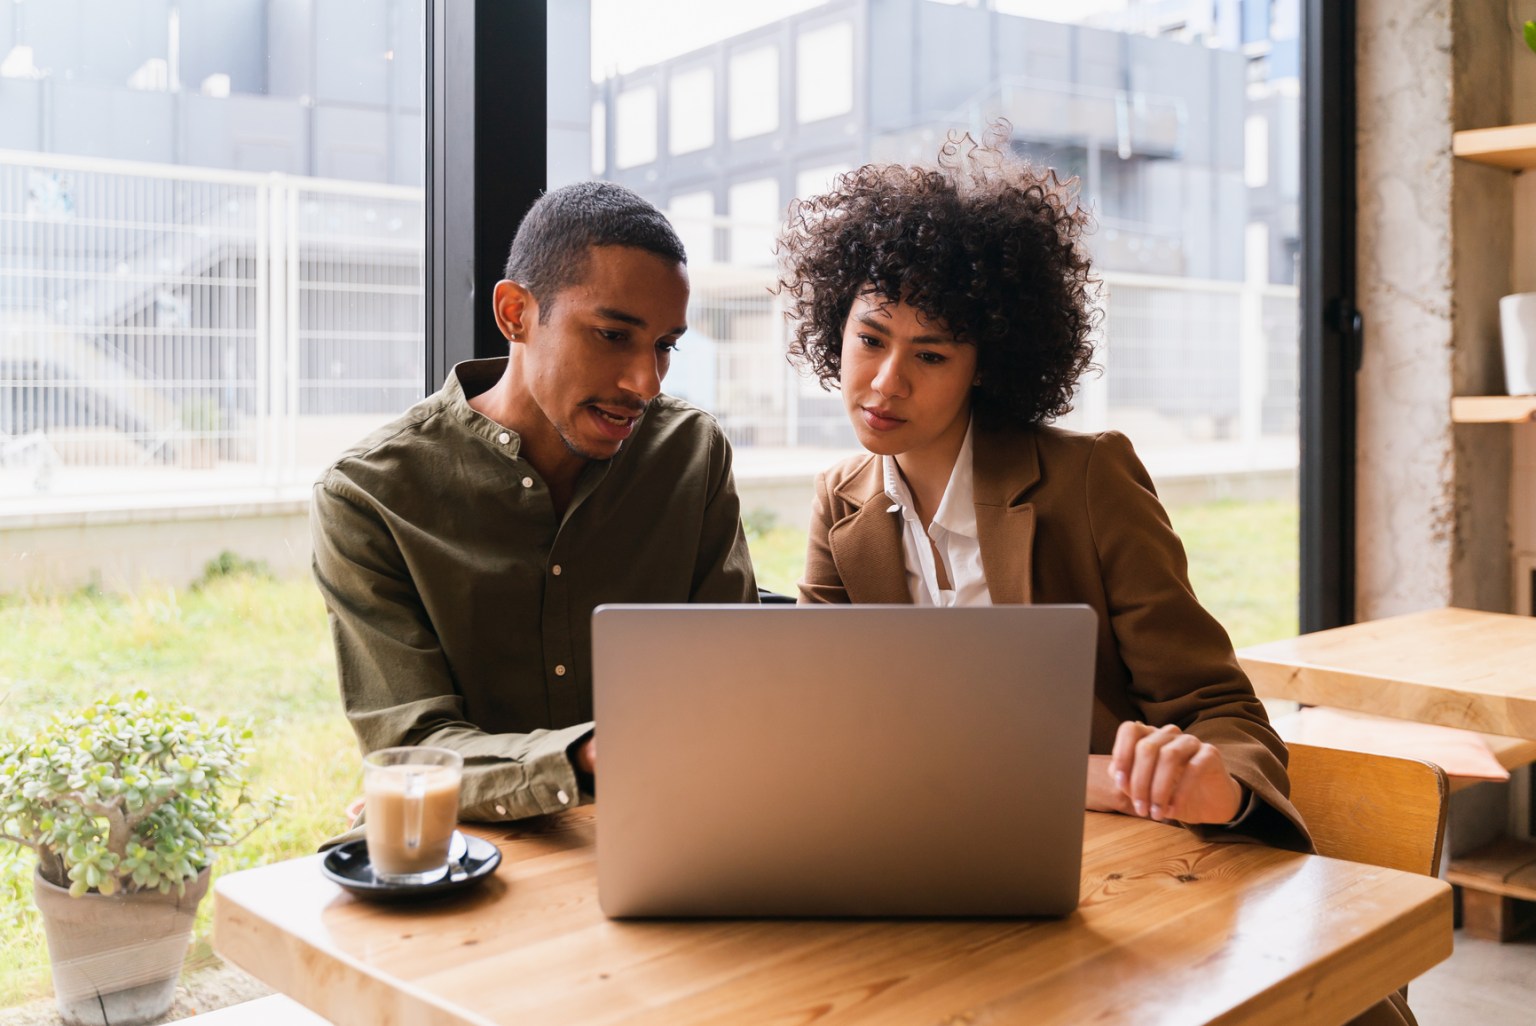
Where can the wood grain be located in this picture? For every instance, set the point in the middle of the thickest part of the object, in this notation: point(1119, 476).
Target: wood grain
point(1508, 146)
point(1170, 930)
point(1493, 409)
point(1457, 667)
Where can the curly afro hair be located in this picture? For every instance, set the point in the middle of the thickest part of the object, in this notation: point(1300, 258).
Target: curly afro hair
point(983, 243)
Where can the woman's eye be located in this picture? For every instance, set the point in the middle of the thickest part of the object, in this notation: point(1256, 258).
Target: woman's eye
point(932, 358)
point(668, 346)
point(869, 341)
point(610, 336)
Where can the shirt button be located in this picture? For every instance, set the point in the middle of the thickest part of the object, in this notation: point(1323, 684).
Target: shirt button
point(527, 482)
point(503, 438)
point(565, 799)
point(501, 810)
point(560, 670)
point(555, 569)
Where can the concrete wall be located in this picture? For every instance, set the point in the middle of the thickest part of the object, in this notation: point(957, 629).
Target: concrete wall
point(1404, 477)
point(1436, 244)
point(122, 549)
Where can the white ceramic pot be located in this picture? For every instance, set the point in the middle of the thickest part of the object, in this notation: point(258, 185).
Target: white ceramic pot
point(1517, 325)
point(116, 959)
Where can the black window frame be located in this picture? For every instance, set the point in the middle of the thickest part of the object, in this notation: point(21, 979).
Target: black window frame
point(486, 96)
point(1331, 327)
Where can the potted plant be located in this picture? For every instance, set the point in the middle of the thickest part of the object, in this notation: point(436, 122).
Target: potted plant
point(124, 803)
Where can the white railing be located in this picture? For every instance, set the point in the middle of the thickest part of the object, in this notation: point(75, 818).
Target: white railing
point(165, 330)
point(161, 323)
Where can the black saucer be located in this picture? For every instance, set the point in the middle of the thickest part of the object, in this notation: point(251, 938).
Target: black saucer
point(348, 866)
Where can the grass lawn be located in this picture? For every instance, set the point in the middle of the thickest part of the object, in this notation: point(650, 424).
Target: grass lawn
point(246, 646)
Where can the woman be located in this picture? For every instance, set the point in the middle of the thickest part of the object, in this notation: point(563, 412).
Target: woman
point(952, 305)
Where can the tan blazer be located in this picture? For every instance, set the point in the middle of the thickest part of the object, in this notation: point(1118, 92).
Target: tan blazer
point(1068, 517)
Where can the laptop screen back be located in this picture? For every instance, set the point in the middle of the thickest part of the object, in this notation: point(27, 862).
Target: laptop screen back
point(841, 760)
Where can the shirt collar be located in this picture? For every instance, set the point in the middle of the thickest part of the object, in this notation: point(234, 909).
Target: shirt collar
point(470, 378)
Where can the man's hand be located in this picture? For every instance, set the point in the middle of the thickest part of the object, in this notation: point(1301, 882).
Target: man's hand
point(1165, 773)
point(585, 756)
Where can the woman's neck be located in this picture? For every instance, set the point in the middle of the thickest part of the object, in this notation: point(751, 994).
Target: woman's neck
point(927, 472)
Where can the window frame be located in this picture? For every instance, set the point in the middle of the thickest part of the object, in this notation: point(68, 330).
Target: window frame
point(486, 163)
point(1331, 328)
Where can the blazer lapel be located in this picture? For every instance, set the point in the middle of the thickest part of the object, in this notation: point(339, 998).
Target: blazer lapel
point(1006, 465)
point(866, 544)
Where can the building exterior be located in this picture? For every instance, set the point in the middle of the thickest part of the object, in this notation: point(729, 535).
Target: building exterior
point(1161, 122)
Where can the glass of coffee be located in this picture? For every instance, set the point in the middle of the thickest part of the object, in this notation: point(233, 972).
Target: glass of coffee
point(412, 800)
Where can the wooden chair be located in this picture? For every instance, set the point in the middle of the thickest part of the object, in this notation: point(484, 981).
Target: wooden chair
point(1375, 809)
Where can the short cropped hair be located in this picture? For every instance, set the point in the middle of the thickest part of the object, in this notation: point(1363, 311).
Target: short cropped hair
point(549, 252)
point(982, 242)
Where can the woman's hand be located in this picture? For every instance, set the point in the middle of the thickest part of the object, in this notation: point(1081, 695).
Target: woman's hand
point(1163, 773)
point(1104, 795)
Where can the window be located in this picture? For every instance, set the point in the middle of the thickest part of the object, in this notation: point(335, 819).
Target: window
point(824, 72)
point(1180, 128)
point(691, 110)
point(1256, 151)
point(755, 214)
point(693, 215)
point(754, 87)
point(634, 127)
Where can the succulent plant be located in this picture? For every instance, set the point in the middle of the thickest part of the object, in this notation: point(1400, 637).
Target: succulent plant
point(128, 794)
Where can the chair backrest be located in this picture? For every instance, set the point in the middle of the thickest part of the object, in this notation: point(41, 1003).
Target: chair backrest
point(1375, 809)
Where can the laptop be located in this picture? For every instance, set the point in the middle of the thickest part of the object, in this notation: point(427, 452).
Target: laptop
point(841, 760)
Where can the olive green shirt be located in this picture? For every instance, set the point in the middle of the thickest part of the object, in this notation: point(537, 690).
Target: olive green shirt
point(461, 605)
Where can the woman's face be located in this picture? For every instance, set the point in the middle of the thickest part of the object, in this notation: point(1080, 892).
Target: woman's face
point(906, 382)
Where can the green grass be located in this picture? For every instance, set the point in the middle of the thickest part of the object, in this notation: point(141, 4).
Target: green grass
point(1243, 562)
point(244, 645)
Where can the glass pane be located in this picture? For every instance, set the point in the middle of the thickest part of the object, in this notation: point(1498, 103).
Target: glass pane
point(754, 91)
point(692, 113)
point(211, 250)
point(1180, 121)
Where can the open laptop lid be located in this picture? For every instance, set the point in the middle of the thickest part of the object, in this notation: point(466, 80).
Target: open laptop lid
point(841, 760)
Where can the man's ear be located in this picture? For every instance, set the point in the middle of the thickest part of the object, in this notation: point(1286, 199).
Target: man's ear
point(514, 308)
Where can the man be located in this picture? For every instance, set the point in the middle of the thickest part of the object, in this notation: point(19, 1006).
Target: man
point(462, 548)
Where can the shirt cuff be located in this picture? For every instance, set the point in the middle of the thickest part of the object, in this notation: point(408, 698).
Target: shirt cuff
point(544, 781)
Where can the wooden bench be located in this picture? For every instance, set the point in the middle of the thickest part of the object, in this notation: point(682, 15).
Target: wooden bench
point(1498, 883)
point(1510, 752)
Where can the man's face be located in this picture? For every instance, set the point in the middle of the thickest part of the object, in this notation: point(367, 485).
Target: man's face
point(600, 357)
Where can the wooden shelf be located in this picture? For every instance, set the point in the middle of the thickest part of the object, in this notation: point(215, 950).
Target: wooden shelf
point(1511, 146)
point(1493, 409)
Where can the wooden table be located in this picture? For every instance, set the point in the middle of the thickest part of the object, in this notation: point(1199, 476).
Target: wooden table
point(1170, 930)
point(1456, 667)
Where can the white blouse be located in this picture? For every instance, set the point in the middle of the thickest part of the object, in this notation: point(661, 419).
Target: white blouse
point(952, 532)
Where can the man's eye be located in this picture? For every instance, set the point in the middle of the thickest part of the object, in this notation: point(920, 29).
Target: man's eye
point(932, 358)
point(870, 341)
point(610, 336)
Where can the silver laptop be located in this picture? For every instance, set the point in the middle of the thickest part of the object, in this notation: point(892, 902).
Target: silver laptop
point(841, 760)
